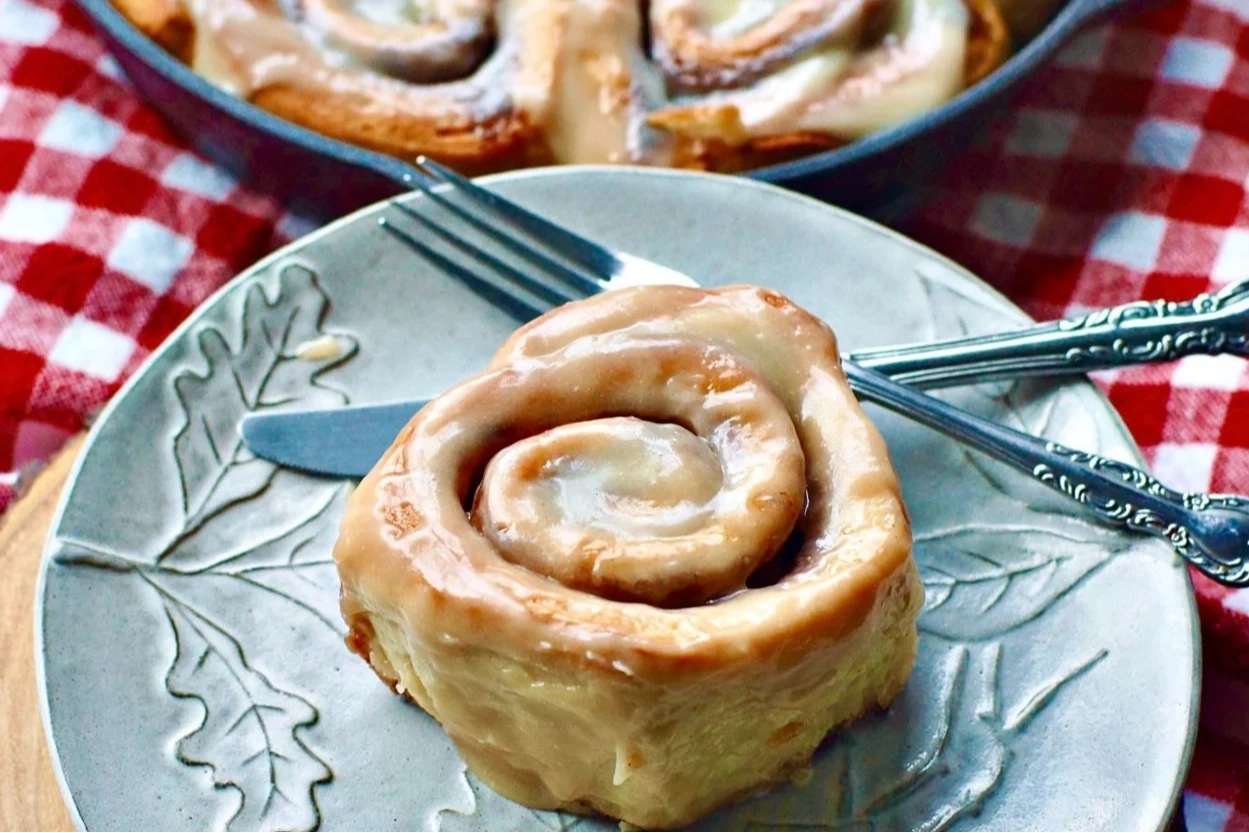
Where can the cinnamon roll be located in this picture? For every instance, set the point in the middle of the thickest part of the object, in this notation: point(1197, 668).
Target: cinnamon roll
point(644, 562)
point(488, 85)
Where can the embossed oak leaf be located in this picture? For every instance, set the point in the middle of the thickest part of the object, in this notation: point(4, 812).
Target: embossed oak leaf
point(250, 733)
point(228, 552)
point(291, 564)
point(936, 757)
point(981, 581)
point(264, 363)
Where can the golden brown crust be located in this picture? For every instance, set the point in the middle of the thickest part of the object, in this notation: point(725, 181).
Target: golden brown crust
point(560, 697)
point(164, 21)
point(712, 137)
point(988, 41)
point(1025, 18)
point(478, 127)
point(719, 156)
point(674, 800)
point(505, 142)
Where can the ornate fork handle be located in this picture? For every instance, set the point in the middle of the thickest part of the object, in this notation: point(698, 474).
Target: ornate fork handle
point(1145, 331)
point(1210, 531)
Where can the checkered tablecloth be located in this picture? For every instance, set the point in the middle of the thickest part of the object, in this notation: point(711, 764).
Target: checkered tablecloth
point(1121, 175)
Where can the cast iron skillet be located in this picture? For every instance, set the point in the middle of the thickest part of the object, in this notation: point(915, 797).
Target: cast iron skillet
point(881, 176)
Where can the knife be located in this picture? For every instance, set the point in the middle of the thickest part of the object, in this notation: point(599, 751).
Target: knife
point(335, 442)
point(347, 442)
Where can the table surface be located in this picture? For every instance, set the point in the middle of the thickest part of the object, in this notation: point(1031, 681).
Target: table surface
point(34, 802)
point(1120, 174)
point(31, 799)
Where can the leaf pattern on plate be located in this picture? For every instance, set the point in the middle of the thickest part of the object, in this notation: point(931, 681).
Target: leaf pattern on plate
point(931, 762)
point(984, 581)
point(944, 770)
point(293, 564)
point(258, 367)
point(252, 733)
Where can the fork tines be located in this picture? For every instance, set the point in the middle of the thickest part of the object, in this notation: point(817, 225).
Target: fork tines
point(524, 293)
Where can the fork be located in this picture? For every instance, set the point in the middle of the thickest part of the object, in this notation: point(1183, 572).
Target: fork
point(1211, 532)
point(1142, 331)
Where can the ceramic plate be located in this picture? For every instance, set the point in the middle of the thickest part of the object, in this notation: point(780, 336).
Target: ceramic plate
point(193, 667)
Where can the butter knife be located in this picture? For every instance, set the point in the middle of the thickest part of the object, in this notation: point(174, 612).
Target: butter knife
point(347, 442)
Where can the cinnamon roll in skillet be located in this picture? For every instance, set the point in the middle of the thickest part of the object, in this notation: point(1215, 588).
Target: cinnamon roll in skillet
point(486, 85)
point(644, 562)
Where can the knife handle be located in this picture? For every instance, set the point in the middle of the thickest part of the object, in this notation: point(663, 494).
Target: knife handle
point(1135, 333)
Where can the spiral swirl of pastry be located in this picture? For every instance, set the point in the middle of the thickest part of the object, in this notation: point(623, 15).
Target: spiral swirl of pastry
point(574, 559)
point(495, 84)
point(922, 51)
point(676, 502)
point(446, 47)
point(695, 60)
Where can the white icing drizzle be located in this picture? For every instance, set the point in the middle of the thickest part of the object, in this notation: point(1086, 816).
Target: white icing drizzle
point(576, 67)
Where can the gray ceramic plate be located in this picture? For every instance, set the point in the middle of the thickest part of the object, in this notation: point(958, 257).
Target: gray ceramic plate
point(193, 668)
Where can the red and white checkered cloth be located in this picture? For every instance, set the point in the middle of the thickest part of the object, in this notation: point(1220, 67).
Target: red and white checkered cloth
point(111, 232)
point(1121, 175)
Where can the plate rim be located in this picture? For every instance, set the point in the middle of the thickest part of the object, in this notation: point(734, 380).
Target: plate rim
point(569, 171)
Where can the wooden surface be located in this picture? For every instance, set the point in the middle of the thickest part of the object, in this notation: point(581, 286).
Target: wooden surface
point(29, 796)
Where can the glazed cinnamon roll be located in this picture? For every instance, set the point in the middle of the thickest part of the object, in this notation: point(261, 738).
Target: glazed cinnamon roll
point(493, 84)
point(644, 562)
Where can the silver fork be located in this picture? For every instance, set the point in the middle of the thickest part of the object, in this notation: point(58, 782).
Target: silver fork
point(1209, 531)
point(1143, 331)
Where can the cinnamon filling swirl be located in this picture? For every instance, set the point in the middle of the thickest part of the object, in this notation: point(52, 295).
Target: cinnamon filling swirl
point(558, 558)
point(448, 46)
point(494, 84)
point(701, 58)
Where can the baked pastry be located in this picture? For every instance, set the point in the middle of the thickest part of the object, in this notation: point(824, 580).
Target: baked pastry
point(645, 562)
point(1025, 18)
point(485, 85)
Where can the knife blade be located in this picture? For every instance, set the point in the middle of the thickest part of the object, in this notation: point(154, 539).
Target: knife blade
point(348, 441)
point(338, 442)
